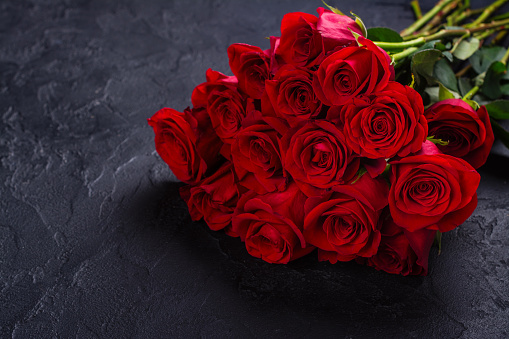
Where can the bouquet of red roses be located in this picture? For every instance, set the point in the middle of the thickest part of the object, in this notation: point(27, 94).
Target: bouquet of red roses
point(322, 142)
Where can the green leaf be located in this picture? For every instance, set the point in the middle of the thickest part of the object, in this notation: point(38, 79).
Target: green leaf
point(443, 72)
point(433, 94)
point(491, 86)
point(464, 86)
point(475, 106)
point(465, 48)
point(444, 93)
point(500, 132)
point(429, 45)
point(423, 63)
point(498, 109)
point(384, 34)
point(361, 25)
point(335, 10)
point(448, 55)
point(484, 57)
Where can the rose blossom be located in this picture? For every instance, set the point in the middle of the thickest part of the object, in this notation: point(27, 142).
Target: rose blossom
point(225, 105)
point(251, 66)
point(352, 71)
point(300, 43)
point(343, 223)
point(290, 95)
point(215, 198)
point(468, 132)
point(271, 225)
point(432, 190)
point(317, 157)
point(256, 155)
point(186, 142)
point(400, 251)
point(336, 30)
point(384, 124)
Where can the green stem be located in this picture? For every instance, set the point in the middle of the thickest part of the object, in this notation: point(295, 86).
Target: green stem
point(487, 12)
point(505, 57)
point(404, 54)
point(498, 38)
point(400, 45)
point(441, 34)
point(471, 93)
point(467, 13)
point(437, 19)
point(485, 34)
point(417, 8)
point(426, 17)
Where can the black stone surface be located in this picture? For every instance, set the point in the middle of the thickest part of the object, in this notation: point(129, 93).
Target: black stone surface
point(94, 240)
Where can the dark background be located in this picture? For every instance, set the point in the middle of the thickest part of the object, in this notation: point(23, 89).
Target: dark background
point(94, 240)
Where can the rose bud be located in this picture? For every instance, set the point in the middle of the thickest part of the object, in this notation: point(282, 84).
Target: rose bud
point(256, 156)
point(432, 190)
point(251, 66)
point(271, 225)
point(186, 142)
point(352, 71)
point(215, 198)
point(384, 124)
point(400, 251)
point(344, 222)
point(300, 44)
point(468, 132)
point(317, 156)
point(336, 30)
point(290, 95)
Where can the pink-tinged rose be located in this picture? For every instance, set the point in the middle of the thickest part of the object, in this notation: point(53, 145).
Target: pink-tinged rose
point(352, 71)
point(214, 199)
point(336, 30)
point(344, 223)
point(186, 142)
point(432, 190)
point(383, 124)
point(317, 156)
point(271, 225)
point(256, 154)
point(251, 66)
point(300, 44)
point(402, 252)
point(468, 132)
point(290, 95)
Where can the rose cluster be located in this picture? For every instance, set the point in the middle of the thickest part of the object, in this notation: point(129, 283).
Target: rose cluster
point(312, 145)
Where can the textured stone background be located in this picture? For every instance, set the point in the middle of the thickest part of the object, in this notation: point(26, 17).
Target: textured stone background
point(94, 241)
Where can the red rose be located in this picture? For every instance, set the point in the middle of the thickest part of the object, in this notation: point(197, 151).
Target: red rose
point(215, 198)
point(300, 43)
point(317, 156)
point(251, 66)
point(432, 190)
point(256, 155)
point(336, 30)
point(343, 224)
point(186, 142)
point(402, 252)
point(290, 95)
point(225, 105)
point(352, 71)
point(468, 132)
point(271, 225)
point(384, 124)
